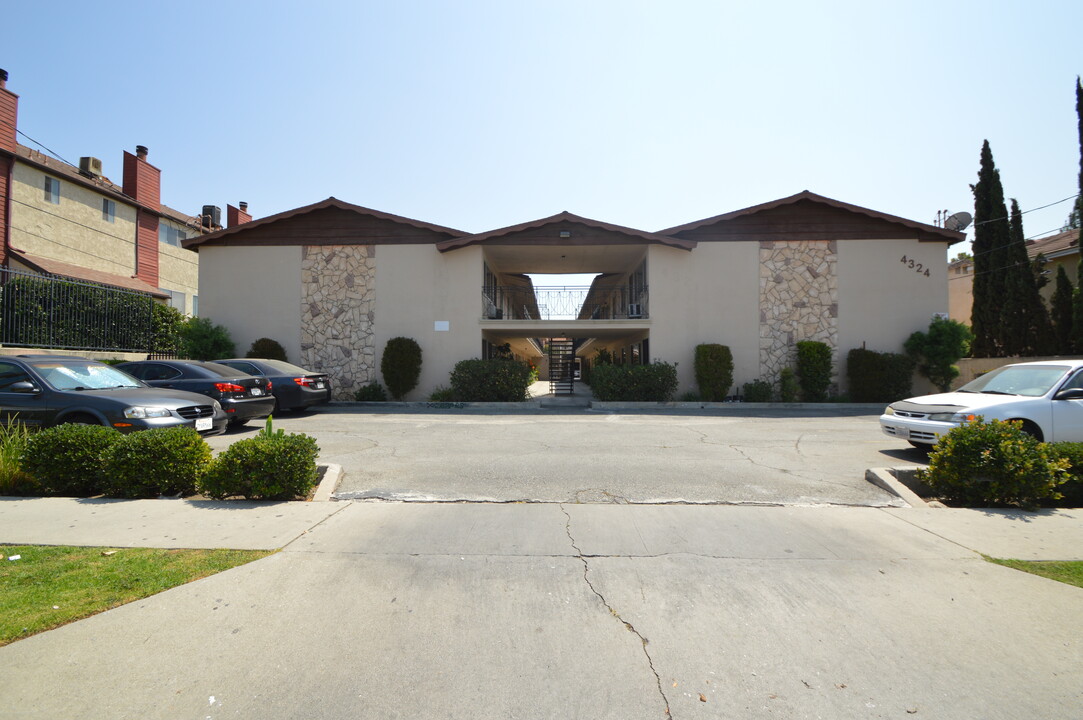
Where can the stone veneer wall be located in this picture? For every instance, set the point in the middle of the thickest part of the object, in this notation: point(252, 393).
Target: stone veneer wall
point(798, 301)
point(338, 293)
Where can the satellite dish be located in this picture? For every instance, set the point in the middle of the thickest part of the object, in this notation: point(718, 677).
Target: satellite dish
point(958, 222)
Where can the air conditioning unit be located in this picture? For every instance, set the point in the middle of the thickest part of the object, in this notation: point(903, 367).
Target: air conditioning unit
point(635, 310)
point(212, 216)
point(90, 166)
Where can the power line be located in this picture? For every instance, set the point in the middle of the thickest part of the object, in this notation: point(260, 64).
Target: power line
point(1024, 212)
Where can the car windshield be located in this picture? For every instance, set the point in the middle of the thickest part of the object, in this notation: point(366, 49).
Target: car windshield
point(1028, 380)
point(84, 376)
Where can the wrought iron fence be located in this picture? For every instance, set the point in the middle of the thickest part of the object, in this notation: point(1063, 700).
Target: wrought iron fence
point(564, 303)
point(50, 312)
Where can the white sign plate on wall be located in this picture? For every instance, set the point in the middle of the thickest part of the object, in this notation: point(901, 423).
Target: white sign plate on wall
point(442, 326)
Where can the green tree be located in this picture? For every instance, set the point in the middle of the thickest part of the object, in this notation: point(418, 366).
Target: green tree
point(991, 240)
point(1077, 210)
point(201, 339)
point(1062, 312)
point(1077, 312)
point(1025, 326)
point(937, 350)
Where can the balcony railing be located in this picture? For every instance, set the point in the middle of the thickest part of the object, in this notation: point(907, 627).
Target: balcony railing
point(564, 303)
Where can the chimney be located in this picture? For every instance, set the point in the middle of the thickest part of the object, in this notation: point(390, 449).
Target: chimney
point(237, 216)
point(9, 110)
point(142, 181)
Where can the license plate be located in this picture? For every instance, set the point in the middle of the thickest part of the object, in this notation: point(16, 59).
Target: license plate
point(903, 433)
point(319, 386)
point(257, 391)
point(204, 423)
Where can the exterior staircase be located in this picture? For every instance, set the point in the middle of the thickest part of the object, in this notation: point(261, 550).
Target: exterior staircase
point(561, 366)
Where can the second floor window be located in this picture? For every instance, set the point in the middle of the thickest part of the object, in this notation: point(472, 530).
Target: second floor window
point(109, 210)
point(52, 190)
point(170, 235)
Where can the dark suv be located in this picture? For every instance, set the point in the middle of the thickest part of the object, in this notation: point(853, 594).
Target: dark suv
point(46, 390)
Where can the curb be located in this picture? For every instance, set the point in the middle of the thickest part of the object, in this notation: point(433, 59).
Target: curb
point(332, 474)
point(610, 405)
point(886, 479)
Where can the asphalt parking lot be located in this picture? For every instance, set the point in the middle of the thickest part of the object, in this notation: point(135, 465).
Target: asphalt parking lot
point(778, 457)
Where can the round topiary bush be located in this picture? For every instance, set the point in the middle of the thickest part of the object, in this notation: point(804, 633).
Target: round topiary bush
point(401, 366)
point(980, 464)
point(160, 461)
point(269, 466)
point(69, 459)
point(267, 348)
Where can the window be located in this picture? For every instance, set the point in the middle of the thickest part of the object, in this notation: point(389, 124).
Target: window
point(109, 210)
point(10, 373)
point(195, 306)
point(52, 190)
point(170, 235)
point(176, 299)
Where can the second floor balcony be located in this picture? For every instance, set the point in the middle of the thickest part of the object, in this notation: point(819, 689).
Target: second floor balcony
point(594, 302)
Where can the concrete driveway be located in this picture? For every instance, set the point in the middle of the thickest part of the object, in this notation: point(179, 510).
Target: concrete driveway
point(782, 457)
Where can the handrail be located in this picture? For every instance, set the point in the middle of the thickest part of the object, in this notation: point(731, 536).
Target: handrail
point(522, 302)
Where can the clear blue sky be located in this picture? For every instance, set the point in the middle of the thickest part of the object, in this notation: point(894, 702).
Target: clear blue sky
point(478, 115)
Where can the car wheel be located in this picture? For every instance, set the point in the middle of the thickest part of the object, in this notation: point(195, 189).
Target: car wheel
point(238, 423)
point(1033, 430)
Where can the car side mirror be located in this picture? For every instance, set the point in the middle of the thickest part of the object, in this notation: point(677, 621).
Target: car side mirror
point(24, 386)
point(1069, 394)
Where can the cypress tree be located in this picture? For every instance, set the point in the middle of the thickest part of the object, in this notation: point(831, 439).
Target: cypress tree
point(991, 235)
point(1062, 312)
point(1077, 312)
point(1026, 329)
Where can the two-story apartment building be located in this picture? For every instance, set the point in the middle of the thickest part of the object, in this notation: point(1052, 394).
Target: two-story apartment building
point(333, 282)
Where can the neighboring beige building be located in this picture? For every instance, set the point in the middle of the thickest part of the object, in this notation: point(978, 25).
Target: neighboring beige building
point(333, 282)
point(1060, 250)
point(74, 222)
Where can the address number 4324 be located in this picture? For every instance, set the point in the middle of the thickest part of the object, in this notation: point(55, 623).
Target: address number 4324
point(915, 266)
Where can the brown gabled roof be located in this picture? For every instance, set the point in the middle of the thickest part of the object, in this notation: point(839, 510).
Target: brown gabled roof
point(1064, 243)
point(331, 202)
point(78, 272)
point(565, 217)
point(924, 232)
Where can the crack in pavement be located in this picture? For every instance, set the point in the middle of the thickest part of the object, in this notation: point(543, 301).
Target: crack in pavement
point(628, 626)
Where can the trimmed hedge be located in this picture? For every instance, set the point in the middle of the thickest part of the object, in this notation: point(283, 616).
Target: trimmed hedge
point(788, 389)
point(878, 377)
point(714, 371)
point(69, 459)
point(655, 382)
point(269, 466)
point(496, 380)
point(401, 366)
point(159, 461)
point(813, 370)
point(267, 348)
point(201, 339)
point(758, 391)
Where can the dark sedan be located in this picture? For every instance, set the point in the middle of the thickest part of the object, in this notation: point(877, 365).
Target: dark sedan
point(294, 387)
point(47, 390)
point(243, 396)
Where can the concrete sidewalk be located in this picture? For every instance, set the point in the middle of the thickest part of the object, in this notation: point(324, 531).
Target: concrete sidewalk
point(1043, 535)
point(495, 611)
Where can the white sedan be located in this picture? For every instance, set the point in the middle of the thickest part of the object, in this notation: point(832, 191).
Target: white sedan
point(1046, 396)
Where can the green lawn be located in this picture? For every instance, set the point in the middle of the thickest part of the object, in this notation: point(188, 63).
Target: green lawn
point(49, 586)
point(1066, 572)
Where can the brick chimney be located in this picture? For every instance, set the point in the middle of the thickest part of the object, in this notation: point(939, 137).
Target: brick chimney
point(237, 216)
point(9, 112)
point(143, 183)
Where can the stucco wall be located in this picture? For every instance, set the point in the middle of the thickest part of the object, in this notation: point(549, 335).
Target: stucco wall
point(882, 300)
point(73, 231)
point(418, 286)
point(254, 293)
point(708, 295)
point(178, 269)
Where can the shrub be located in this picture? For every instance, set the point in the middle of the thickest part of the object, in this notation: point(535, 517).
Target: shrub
point(656, 382)
point(401, 366)
point(758, 391)
point(69, 459)
point(269, 466)
point(878, 377)
point(937, 350)
point(267, 348)
point(714, 371)
point(495, 380)
point(1072, 490)
point(373, 392)
point(690, 396)
point(788, 388)
point(994, 463)
point(166, 324)
point(159, 461)
point(813, 370)
point(442, 394)
point(201, 339)
point(14, 480)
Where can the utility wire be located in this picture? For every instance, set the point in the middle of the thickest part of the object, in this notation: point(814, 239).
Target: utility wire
point(1024, 212)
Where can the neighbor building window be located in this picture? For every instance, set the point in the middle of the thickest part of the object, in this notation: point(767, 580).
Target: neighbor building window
point(52, 190)
point(109, 210)
point(170, 235)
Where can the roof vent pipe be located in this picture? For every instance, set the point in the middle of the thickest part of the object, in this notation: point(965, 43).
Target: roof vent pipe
point(141, 152)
